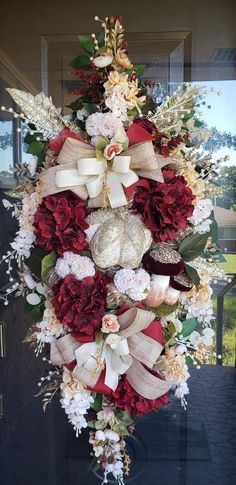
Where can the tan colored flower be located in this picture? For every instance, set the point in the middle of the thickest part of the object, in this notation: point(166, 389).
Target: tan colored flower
point(131, 96)
point(200, 295)
point(110, 324)
point(116, 79)
point(172, 367)
point(122, 59)
point(70, 385)
point(191, 177)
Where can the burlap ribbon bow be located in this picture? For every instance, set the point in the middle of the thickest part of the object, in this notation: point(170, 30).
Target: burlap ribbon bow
point(123, 352)
point(80, 172)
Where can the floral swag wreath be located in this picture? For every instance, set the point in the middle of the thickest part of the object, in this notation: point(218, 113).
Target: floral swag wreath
point(115, 205)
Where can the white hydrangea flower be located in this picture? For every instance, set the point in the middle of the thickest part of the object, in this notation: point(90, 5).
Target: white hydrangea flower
point(135, 284)
point(203, 227)
point(103, 124)
point(200, 215)
point(79, 266)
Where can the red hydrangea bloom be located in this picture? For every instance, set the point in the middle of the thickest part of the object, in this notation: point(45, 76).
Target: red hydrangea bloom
point(81, 304)
point(60, 222)
point(127, 399)
point(164, 207)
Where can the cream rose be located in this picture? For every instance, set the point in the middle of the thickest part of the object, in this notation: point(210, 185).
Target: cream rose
point(110, 323)
point(111, 150)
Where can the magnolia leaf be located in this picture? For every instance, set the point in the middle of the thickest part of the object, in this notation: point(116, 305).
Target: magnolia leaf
point(188, 326)
point(97, 404)
point(188, 116)
point(36, 147)
point(169, 333)
point(193, 274)
point(87, 44)
point(101, 39)
point(213, 228)
point(48, 262)
point(79, 61)
point(192, 246)
point(91, 424)
point(100, 145)
point(140, 68)
point(198, 123)
point(35, 260)
point(90, 107)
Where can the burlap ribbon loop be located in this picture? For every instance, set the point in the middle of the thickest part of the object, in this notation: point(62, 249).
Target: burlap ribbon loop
point(80, 171)
point(124, 352)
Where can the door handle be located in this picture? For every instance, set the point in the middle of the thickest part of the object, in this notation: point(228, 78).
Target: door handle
point(1, 406)
point(2, 340)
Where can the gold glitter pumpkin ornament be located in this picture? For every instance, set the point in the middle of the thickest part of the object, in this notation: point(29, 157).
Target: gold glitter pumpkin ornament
point(117, 237)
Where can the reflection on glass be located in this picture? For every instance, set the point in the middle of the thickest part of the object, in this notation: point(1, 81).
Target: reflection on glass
point(6, 153)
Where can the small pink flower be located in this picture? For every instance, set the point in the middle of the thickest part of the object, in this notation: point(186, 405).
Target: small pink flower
point(110, 323)
point(111, 150)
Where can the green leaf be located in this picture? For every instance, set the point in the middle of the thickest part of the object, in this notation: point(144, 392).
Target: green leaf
point(192, 246)
point(188, 360)
point(188, 116)
point(198, 123)
point(48, 262)
point(101, 39)
point(213, 228)
point(90, 107)
point(30, 138)
point(221, 258)
point(97, 405)
point(34, 262)
point(188, 326)
point(79, 61)
point(169, 333)
point(140, 68)
point(100, 145)
point(35, 147)
point(193, 274)
point(87, 44)
point(36, 312)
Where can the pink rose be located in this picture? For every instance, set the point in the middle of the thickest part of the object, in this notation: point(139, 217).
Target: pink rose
point(111, 150)
point(110, 323)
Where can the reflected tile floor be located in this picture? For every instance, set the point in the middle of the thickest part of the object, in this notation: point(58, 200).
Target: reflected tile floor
point(171, 446)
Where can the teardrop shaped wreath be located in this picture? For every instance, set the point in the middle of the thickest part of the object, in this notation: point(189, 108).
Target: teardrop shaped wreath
point(117, 243)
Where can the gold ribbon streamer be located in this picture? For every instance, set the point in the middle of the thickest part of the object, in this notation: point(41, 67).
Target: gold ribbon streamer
point(80, 172)
point(134, 349)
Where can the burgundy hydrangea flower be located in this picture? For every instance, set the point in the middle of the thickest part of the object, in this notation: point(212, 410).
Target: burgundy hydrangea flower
point(81, 304)
point(60, 222)
point(127, 399)
point(164, 207)
point(163, 143)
